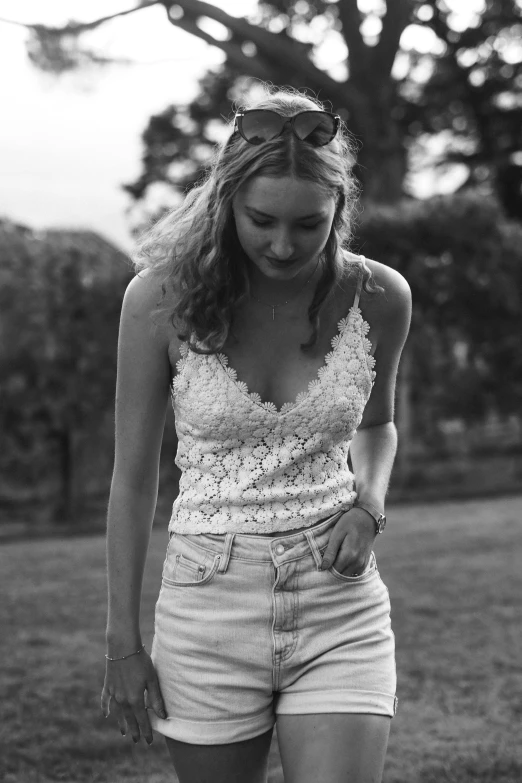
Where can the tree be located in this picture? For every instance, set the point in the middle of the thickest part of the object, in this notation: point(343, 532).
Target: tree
point(60, 298)
point(464, 84)
point(456, 82)
point(463, 261)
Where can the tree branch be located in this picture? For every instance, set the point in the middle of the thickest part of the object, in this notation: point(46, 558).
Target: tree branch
point(254, 66)
point(351, 19)
point(272, 47)
point(397, 16)
point(75, 28)
point(440, 26)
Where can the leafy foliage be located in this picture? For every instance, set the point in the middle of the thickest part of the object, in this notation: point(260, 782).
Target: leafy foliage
point(60, 298)
point(463, 261)
point(461, 79)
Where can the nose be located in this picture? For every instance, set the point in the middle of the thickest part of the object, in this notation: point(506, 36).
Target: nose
point(281, 246)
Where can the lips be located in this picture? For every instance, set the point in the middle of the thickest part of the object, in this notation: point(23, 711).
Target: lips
point(277, 262)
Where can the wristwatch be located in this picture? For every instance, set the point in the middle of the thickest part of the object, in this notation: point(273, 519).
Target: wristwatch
point(380, 519)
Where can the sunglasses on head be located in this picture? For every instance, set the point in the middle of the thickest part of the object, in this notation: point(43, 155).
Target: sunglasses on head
point(259, 125)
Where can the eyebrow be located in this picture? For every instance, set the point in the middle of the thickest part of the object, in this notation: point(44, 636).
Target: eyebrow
point(265, 214)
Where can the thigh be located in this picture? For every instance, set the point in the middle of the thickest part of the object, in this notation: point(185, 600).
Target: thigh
point(235, 762)
point(212, 647)
point(333, 747)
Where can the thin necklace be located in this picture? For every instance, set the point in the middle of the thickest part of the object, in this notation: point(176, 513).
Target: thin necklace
point(273, 306)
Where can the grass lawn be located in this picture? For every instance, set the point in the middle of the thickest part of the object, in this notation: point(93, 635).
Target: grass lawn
point(455, 581)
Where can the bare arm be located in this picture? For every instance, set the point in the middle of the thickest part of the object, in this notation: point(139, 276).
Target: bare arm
point(374, 445)
point(142, 394)
point(373, 452)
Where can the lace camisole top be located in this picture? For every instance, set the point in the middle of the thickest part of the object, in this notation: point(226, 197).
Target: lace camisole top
point(247, 467)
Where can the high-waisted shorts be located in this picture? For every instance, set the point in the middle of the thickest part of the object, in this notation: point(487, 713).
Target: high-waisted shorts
point(247, 627)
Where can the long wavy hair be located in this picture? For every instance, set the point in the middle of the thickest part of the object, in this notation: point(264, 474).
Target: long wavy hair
point(195, 250)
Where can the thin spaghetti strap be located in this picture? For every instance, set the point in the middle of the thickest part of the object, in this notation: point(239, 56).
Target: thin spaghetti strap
point(359, 283)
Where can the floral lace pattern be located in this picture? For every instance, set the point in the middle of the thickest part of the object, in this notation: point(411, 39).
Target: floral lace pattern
point(248, 467)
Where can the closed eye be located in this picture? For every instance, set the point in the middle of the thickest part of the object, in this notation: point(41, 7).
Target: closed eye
point(265, 223)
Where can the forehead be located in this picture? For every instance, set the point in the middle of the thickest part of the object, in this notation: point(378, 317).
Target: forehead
point(287, 195)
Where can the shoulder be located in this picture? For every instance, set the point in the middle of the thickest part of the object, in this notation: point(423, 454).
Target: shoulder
point(397, 291)
point(388, 311)
point(144, 290)
point(143, 296)
point(396, 287)
point(395, 298)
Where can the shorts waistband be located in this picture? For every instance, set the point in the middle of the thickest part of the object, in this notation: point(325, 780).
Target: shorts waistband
point(280, 549)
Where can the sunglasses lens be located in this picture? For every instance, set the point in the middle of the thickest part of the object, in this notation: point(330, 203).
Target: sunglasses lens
point(261, 125)
point(315, 127)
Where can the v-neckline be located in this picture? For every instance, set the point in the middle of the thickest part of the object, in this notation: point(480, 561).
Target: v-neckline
point(271, 407)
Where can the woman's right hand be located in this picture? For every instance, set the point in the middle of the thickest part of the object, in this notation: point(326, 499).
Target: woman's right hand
point(125, 684)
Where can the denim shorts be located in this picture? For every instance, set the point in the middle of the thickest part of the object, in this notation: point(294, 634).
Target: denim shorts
point(247, 627)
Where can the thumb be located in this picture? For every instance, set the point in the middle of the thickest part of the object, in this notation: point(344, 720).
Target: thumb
point(155, 699)
point(330, 552)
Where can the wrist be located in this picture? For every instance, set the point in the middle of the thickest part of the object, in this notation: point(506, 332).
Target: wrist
point(375, 499)
point(374, 512)
point(122, 643)
point(370, 502)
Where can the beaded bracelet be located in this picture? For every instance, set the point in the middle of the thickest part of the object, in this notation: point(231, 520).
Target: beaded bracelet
point(125, 656)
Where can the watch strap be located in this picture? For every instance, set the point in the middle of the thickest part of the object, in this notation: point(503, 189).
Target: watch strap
point(379, 517)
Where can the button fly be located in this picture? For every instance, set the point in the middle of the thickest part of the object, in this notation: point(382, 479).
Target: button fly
point(279, 549)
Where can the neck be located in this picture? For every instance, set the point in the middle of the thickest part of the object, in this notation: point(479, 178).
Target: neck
point(274, 291)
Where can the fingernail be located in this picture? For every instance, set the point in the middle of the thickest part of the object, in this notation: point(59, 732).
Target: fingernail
point(122, 733)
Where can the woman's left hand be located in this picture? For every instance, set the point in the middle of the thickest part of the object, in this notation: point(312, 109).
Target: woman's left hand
point(351, 541)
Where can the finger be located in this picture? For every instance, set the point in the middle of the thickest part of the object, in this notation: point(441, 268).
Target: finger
point(143, 721)
point(120, 717)
point(348, 559)
point(105, 702)
point(352, 565)
point(132, 723)
point(155, 699)
point(331, 551)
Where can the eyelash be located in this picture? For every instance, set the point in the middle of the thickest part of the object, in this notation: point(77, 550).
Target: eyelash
point(267, 223)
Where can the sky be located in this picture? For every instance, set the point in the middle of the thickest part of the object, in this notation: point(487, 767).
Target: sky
point(68, 143)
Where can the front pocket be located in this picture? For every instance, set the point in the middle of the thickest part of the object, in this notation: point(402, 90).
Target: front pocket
point(187, 566)
point(187, 570)
point(370, 569)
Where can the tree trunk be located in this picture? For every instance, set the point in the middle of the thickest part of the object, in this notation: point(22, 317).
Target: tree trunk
point(381, 174)
point(382, 161)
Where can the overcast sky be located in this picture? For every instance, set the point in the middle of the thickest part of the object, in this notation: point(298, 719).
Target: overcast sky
point(67, 143)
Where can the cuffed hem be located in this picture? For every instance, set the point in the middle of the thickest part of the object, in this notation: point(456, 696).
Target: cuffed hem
point(307, 702)
point(213, 732)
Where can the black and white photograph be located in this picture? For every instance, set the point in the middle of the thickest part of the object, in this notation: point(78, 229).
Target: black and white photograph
point(261, 391)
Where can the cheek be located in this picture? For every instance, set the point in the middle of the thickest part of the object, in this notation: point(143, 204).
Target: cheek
point(247, 236)
point(320, 239)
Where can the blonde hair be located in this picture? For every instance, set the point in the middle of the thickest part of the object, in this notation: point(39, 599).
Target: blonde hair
point(194, 247)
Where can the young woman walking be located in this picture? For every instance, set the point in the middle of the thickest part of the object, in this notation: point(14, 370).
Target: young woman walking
point(280, 353)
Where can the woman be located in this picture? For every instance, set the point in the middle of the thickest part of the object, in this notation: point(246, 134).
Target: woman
point(271, 602)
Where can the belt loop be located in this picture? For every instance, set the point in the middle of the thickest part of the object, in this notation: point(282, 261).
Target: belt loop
point(312, 539)
point(314, 548)
point(225, 554)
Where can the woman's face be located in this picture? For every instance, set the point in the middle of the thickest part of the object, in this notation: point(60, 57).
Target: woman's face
point(283, 224)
